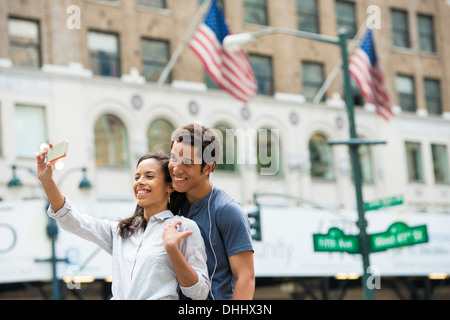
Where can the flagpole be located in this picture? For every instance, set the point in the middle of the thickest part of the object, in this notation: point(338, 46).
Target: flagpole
point(352, 45)
point(186, 37)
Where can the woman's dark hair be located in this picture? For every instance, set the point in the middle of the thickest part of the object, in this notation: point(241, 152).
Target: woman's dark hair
point(127, 227)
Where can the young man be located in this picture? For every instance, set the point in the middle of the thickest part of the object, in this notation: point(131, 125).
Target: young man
point(222, 222)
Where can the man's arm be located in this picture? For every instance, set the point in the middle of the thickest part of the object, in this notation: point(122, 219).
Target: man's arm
point(242, 266)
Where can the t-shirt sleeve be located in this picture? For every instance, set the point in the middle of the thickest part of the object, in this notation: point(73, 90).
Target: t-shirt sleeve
point(234, 228)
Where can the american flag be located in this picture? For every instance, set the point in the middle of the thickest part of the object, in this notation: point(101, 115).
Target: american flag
point(366, 70)
point(231, 70)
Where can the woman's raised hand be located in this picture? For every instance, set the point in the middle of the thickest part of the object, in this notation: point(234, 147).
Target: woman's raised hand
point(44, 170)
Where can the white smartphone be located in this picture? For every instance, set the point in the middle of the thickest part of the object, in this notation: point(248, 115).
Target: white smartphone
point(57, 151)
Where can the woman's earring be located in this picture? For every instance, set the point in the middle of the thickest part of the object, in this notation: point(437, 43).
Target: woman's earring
point(169, 198)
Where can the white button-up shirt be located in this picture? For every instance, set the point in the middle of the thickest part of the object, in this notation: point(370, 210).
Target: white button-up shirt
point(141, 267)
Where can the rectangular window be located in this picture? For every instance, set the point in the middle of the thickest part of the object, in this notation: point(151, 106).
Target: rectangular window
point(433, 96)
point(256, 12)
point(346, 17)
point(400, 30)
point(414, 160)
point(30, 129)
point(426, 33)
point(153, 3)
point(155, 56)
point(405, 90)
point(308, 15)
point(24, 42)
point(313, 78)
point(262, 67)
point(220, 4)
point(104, 53)
point(440, 163)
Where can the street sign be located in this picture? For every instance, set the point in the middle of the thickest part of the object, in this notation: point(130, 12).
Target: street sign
point(398, 235)
point(382, 203)
point(336, 241)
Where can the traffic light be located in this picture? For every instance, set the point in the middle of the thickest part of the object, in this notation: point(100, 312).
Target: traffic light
point(255, 223)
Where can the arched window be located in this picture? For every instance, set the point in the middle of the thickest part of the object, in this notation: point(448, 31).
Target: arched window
point(268, 152)
point(158, 135)
point(111, 141)
point(321, 157)
point(229, 149)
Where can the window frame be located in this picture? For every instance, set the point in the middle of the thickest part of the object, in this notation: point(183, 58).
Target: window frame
point(430, 36)
point(37, 46)
point(403, 31)
point(415, 164)
point(260, 7)
point(403, 95)
point(329, 174)
point(444, 163)
point(308, 15)
point(112, 159)
point(311, 83)
point(263, 79)
point(155, 63)
point(94, 55)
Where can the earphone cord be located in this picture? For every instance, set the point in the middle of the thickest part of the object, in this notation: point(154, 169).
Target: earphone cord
point(210, 243)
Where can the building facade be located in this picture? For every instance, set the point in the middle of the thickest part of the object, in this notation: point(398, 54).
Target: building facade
point(86, 71)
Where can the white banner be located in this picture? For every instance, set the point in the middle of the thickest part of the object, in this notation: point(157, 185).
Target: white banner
point(286, 248)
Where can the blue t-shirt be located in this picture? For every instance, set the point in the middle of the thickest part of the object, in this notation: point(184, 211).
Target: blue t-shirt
point(225, 229)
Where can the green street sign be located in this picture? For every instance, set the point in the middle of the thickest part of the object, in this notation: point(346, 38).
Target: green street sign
point(398, 235)
point(382, 203)
point(336, 241)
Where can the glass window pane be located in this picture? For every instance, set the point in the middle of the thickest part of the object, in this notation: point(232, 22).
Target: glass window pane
point(400, 30)
point(440, 163)
point(104, 53)
point(414, 160)
point(433, 96)
point(426, 33)
point(111, 141)
point(30, 129)
point(155, 56)
point(256, 11)
point(153, 3)
point(159, 135)
point(308, 16)
point(321, 157)
point(345, 17)
point(313, 78)
point(405, 90)
point(24, 43)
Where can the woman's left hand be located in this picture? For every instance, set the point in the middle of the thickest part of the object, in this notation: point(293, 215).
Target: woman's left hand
point(172, 237)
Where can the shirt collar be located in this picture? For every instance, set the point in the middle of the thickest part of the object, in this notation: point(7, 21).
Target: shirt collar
point(163, 215)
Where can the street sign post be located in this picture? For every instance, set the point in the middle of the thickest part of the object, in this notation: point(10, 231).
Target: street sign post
point(398, 235)
point(382, 203)
point(336, 241)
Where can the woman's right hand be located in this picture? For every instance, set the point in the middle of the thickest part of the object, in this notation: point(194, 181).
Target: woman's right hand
point(44, 170)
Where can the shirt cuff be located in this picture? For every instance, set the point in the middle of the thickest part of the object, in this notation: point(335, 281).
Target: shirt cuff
point(198, 291)
point(61, 212)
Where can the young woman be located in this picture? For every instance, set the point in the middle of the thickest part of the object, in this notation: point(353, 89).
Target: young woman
point(154, 253)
